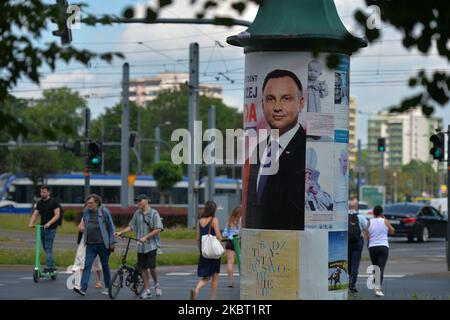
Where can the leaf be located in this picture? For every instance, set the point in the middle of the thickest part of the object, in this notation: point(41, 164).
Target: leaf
point(151, 15)
point(239, 6)
point(164, 3)
point(128, 13)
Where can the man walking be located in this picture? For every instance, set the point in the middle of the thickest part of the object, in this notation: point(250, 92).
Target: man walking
point(148, 225)
point(98, 235)
point(357, 224)
point(49, 210)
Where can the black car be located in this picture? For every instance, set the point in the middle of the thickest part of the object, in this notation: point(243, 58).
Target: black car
point(416, 220)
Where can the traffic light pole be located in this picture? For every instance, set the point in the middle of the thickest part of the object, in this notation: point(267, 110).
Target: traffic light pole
point(358, 173)
point(87, 173)
point(382, 170)
point(125, 151)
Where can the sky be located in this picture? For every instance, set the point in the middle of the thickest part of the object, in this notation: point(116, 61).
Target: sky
point(379, 73)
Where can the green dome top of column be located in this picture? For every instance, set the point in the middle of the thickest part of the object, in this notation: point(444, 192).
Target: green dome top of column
point(297, 25)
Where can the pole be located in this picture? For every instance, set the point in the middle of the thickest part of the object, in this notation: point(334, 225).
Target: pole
point(448, 198)
point(125, 133)
point(211, 167)
point(382, 170)
point(138, 142)
point(87, 173)
point(193, 116)
point(358, 166)
point(103, 141)
point(157, 144)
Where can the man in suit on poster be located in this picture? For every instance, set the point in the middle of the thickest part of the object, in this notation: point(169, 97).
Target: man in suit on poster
point(276, 198)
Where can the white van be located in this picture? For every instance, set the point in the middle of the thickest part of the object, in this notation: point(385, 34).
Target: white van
point(440, 204)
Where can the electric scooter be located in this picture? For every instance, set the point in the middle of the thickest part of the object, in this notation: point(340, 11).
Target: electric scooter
point(37, 273)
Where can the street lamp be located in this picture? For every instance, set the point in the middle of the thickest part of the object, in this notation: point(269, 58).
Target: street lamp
point(158, 140)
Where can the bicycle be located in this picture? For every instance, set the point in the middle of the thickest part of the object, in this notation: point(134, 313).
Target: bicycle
point(130, 276)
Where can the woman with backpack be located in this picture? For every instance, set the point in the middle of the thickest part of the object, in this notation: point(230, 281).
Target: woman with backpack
point(377, 236)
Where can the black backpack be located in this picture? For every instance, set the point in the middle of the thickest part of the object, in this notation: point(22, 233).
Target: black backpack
point(354, 230)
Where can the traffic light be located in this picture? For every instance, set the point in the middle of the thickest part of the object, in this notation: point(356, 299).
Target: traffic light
point(75, 148)
point(94, 159)
point(64, 32)
point(132, 140)
point(438, 150)
point(382, 144)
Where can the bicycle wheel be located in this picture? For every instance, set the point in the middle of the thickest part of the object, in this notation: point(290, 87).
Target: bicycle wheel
point(116, 284)
point(36, 275)
point(138, 285)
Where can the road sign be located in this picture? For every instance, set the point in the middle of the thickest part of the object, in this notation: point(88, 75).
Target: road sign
point(131, 180)
point(372, 195)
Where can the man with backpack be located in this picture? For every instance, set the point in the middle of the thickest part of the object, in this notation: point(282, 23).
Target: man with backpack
point(356, 226)
point(50, 211)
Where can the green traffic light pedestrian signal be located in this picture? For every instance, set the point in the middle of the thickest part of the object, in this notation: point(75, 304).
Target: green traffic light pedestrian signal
point(94, 159)
point(438, 149)
point(382, 144)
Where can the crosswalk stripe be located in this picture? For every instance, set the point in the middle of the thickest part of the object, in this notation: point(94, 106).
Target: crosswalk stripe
point(179, 274)
point(385, 276)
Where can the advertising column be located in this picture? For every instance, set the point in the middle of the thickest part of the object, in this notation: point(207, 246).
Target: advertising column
point(295, 181)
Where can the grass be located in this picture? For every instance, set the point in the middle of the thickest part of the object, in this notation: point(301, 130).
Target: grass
point(16, 222)
point(65, 258)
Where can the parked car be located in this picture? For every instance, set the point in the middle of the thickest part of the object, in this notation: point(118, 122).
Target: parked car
point(416, 221)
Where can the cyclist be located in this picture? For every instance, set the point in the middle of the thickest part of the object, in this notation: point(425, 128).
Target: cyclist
point(148, 225)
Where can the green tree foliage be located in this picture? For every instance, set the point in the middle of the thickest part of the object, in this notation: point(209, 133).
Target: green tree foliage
point(55, 117)
point(170, 105)
point(166, 175)
point(37, 162)
point(423, 25)
point(411, 180)
point(22, 23)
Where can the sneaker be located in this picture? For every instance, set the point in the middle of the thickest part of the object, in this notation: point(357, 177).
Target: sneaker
point(193, 295)
point(353, 290)
point(105, 292)
point(79, 291)
point(146, 294)
point(158, 290)
point(379, 293)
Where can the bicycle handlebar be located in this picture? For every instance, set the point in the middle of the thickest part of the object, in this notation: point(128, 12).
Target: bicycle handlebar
point(127, 237)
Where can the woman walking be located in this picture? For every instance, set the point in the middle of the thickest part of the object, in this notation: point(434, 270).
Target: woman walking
point(207, 268)
point(232, 230)
point(377, 236)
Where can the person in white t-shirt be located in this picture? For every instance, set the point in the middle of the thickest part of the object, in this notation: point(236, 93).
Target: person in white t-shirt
point(376, 234)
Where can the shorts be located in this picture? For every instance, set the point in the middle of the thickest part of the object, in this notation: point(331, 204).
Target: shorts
point(229, 245)
point(147, 260)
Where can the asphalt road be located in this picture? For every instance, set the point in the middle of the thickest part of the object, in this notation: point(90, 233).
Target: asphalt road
point(414, 271)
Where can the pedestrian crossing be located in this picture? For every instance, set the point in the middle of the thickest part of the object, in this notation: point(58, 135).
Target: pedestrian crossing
point(194, 274)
